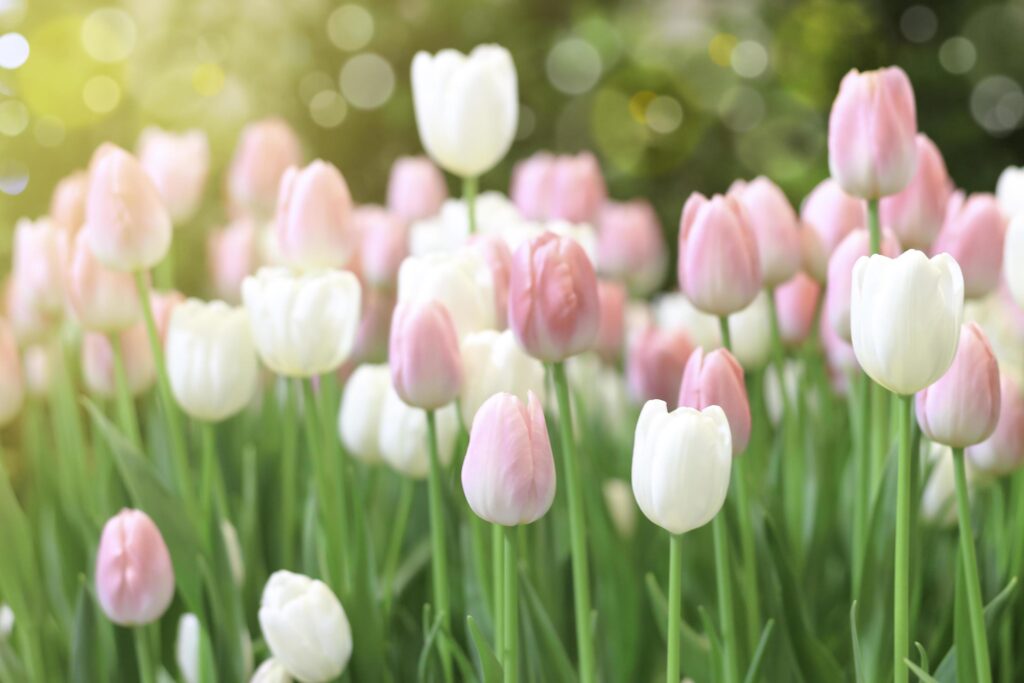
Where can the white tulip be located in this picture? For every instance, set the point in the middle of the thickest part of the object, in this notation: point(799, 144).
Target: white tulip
point(618, 497)
point(449, 229)
point(467, 107)
point(233, 549)
point(6, 621)
point(938, 500)
point(905, 316)
point(751, 332)
point(303, 324)
point(403, 435)
point(12, 382)
point(186, 647)
point(1010, 191)
point(305, 627)
point(673, 311)
point(492, 362)
point(681, 465)
point(1013, 258)
point(359, 419)
point(582, 234)
point(461, 281)
point(270, 672)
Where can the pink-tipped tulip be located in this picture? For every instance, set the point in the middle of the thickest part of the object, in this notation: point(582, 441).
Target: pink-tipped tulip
point(839, 355)
point(797, 302)
point(719, 267)
point(134, 576)
point(178, 164)
point(832, 214)
point(552, 298)
point(371, 345)
point(716, 379)
point(496, 255)
point(98, 362)
point(103, 300)
point(12, 379)
point(775, 226)
point(611, 332)
point(265, 150)
point(40, 251)
point(127, 226)
point(509, 474)
point(973, 234)
point(962, 408)
point(840, 275)
point(630, 245)
point(577, 188)
point(871, 132)
point(1003, 451)
point(655, 364)
point(30, 323)
point(314, 217)
point(232, 255)
point(426, 368)
point(384, 245)
point(531, 185)
point(416, 188)
point(917, 212)
point(67, 204)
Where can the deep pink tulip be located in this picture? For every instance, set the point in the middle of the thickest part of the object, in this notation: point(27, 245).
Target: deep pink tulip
point(426, 366)
point(917, 212)
point(654, 365)
point(67, 204)
point(577, 188)
point(716, 379)
point(384, 244)
point(840, 275)
point(498, 258)
point(630, 246)
point(314, 217)
point(797, 303)
point(611, 331)
point(102, 300)
point(232, 254)
point(832, 214)
point(265, 150)
point(973, 234)
point(416, 188)
point(531, 185)
point(1003, 451)
point(775, 226)
point(134, 576)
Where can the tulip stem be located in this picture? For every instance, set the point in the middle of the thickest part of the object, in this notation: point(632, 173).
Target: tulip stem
point(874, 227)
point(125, 406)
point(577, 527)
point(511, 647)
point(901, 578)
point(405, 495)
point(498, 567)
point(288, 481)
point(859, 400)
point(675, 598)
point(438, 554)
point(982, 665)
point(723, 324)
point(469, 189)
point(726, 613)
point(218, 497)
point(143, 656)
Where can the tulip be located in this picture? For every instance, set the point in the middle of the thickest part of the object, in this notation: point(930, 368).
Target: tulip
point(231, 257)
point(416, 188)
point(127, 226)
point(6, 621)
point(832, 214)
point(178, 164)
point(938, 504)
point(493, 363)
point(577, 188)
point(916, 213)
point(12, 383)
point(618, 498)
point(461, 281)
point(797, 304)
point(98, 154)
point(359, 420)
point(30, 324)
point(716, 379)
point(39, 252)
point(582, 234)
point(750, 331)
point(270, 672)
point(973, 234)
point(403, 435)
point(426, 368)
point(1013, 257)
point(840, 275)
point(1003, 451)
point(302, 324)
point(531, 185)
point(467, 107)
point(1009, 191)
point(610, 330)
point(233, 550)
point(265, 150)
point(630, 246)
point(314, 217)
point(39, 362)
point(813, 256)
point(134, 576)
point(371, 344)
point(719, 265)
point(775, 227)
point(905, 317)
point(384, 245)
point(839, 355)
point(305, 627)
point(67, 204)
point(186, 647)
point(655, 364)
point(673, 311)
point(136, 355)
point(102, 299)
point(163, 305)
point(871, 133)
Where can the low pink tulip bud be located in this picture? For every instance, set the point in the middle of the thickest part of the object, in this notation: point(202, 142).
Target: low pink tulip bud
point(134, 576)
point(719, 265)
point(178, 164)
point(797, 303)
point(832, 214)
point(530, 190)
point(426, 367)
point(496, 255)
point(552, 299)
point(917, 212)
point(655, 364)
point(163, 304)
point(98, 362)
point(12, 380)
point(265, 150)
point(577, 188)
point(839, 355)
point(962, 408)
point(127, 225)
point(973, 234)
point(611, 333)
point(840, 275)
point(716, 379)
point(102, 300)
point(232, 255)
point(775, 226)
point(67, 204)
point(314, 217)
point(416, 188)
point(371, 345)
point(1003, 451)
point(509, 474)
point(630, 245)
point(384, 245)
point(871, 132)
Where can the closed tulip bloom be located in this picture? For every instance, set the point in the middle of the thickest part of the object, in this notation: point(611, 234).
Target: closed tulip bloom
point(127, 225)
point(530, 189)
point(134, 576)
point(673, 311)
point(302, 324)
point(426, 368)
point(681, 465)
point(384, 244)
point(655, 364)
point(493, 363)
point(832, 214)
point(611, 331)
point(137, 356)
point(797, 303)
point(186, 647)
point(1003, 451)
point(28, 319)
point(840, 275)
point(750, 331)
point(905, 316)
point(775, 226)
point(416, 188)
point(178, 164)
point(552, 298)
point(374, 332)
point(618, 498)
point(461, 281)
point(577, 188)
point(12, 381)
point(305, 627)
point(973, 234)
point(839, 355)
point(359, 420)
point(917, 212)
point(1010, 191)
point(232, 256)
point(314, 217)
point(467, 107)
point(719, 266)
point(1013, 257)
point(39, 252)
point(631, 247)
point(871, 133)
point(403, 435)
point(270, 671)
point(102, 299)
point(495, 253)
point(67, 203)
point(716, 379)
point(265, 150)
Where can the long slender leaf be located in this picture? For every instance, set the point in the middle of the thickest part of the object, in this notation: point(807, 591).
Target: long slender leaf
point(85, 646)
point(921, 674)
point(558, 662)
point(489, 664)
point(754, 671)
point(947, 669)
point(858, 666)
point(695, 649)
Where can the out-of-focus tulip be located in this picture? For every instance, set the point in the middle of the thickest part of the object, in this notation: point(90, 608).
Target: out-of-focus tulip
point(813, 257)
point(384, 245)
point(509, 473)
point(270, 671)
point(134, 576)
point(305, 627)
point(12, 382)
point(1003, 451)
point(530, 189)
point(416, 188)
point(233, 549)
point(618, 498)
point(938, 501)
point(314, 217)
point(716, 379)
point(493, 362)
point(67, 204)
point(302, 324)
point(611, 332)
point(467, 107)
point(136, 354)
point(98, 154)
point(102, 299)
point(186, 647)
point(163, 304)
point(673, 311)
point(39, 363)
point(374, 332)
point(6, 621)
point(231, 257)
point(905, 317)
point(832, 214)
point(797, 302)
point(839, 355)
point(553, 304)
point(359, 420)
point(582, 234)
point(461, 281)
point(498, 258)
point(973, 234)
point(39, 252)
point(630, 245)
point(577, 188)
point(750, 333)
point(449, 230)
point(681, 465)
point(403, 435)
point(719, 266)
point(840, 275)
point(655, 363)
point(265, 149)
point(775, 226)
point(426, 368)
point(178, 164)
point(30, 324)
point(126, 223)
point(1010, 191)
point(1013, 257)
point(871, 133)
point(917, 212)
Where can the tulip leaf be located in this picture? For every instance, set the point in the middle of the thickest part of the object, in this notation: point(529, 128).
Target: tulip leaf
point(858, 665)
point(923, 654)
point(428, 641)
point(921, 674)
point(559, 665)
point(754, 671)
point(488, 661)
point(716, 650)
point(85, 646)
point(694, 648)
point(947, 669)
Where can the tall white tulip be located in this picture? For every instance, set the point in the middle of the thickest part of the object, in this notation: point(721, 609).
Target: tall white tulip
point(403, 435)
point(305, 627)
point(460, 280)
point(681, 465)
point(905, 316)
point(1013, 258)
point(302, 324)
point(492, 362)
point(359, 419)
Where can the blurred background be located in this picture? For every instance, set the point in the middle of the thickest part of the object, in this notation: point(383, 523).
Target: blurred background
point(672, 95)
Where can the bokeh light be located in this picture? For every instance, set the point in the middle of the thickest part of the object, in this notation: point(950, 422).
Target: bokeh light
point(367, 81)
point(957, 55)
point(109, 34)
point(573, 66)
point(328, 108)
point(997, 104)
point(13, 118)
point(350, 27)
point(14, 50)
point(101, 94)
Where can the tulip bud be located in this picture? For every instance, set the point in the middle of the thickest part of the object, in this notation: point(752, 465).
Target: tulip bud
point(797, 303)
point(134, 576)
point(374, 328)
point(509, 473)
point(630, 245)
point(136, 355)
point(314, 217)
point(231, 256)
point(178, 164)
point(905, 316)
point(716, 379)
point(531, 185)
point(385, 244)
point(265, 150)
point(6, 621)
point(973, 234)
point(719, 265)
point(938, 502)
point(461, 281)
point(467, 107)
point(681, 465)
point(1013, 256)
point(871, 133)
point(426, 368)
point(498, 258)
point(673, 311)
point(832, 214)
point(611, 329)
point(577, 188)
point(416, 188)
point(39, 252)
point(102, 299)
point(359, 420)
point(750, 332)
point(618, 498)
point(67, 204)
point(1009, 191)
point(493, 362)
point(12, 383)
point(403, 435)
point(839, 355)
point(840, 275)
point(29, 322)
point(775, 227)
point(186, 647)
point(655, 364)
point(270, 672)
point(916, 213)
point(1003, 451)
point(305, 627)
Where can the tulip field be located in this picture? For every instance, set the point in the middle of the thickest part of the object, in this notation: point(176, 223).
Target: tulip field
point(523, 433)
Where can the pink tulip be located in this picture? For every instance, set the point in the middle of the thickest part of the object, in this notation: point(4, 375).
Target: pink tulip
point(163, 304)
point(426, 366)
point(832, 214)
point(840, 275)
point(611, 330)
point(1003, 451)
point(98, 155)
point(655, 363)
point(12, 380)
point(178, 164)
point(134, 576)
point(775, 226)
point(232, 254)
point(871, 132)
point(314, 217)
point(98, 362)
point(813, 254)
point(509, 474)
point(716, 379)
point(384, 245)
point(265, 150)
point(530, 190)
point(496, 255)
point(839, 356)
point(917, 212)
point(67, 204)
point(371, 345)
point(29, 322)
point(552, 298)
point(40, 250)
point(577, 188)
point(630, 245)
point(973, 234)
point(416, 188)
point(102, 300)
point(719, 267)
point(797, 304)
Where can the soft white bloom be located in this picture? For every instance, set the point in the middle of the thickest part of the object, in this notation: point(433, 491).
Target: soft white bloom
point(1010, 191)
point(618, 496)
point(673, 311)
point(581, 233)
point(938, 501)
point(492, 362)
point(681, 465)
point(305, 627)
point(403, 435)
point(6, 621)
point(467, 107)
point(905, 317)
point(303, 324)
point(178, 164)
point(359, 419)
point(40, 249)
point(270, 672)
point(640, 315)
point(449, 229)
point(461, 281)
point(211, 361)
point(1013, 258)
point(600, 391)
point(233, 549)
point(751, 333)
point(186, 647)
point(39, 362)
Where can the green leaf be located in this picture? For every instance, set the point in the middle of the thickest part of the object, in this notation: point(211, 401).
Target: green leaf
point(489, 664)
point(716, 651)
point(921, 674)
point(755, 662)
point(428, 642)
point(923, 654)
point(85, 645)
point(947, 669)
point(858, 666)
point(557, 661)
point(694, 648)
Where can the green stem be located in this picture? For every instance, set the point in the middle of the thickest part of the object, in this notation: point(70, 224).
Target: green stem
point(327, 499)
point(723, 326)
point(147, 671)
point(469, 190)
point(577, 527)
point(726, 613)
point(901, 577)
point(438, 553)
point(498, 566)
point(394, 550)
point(511, 648)
point(126, 416)
point(859, 400)
point(289, 483)
point(874, 227)
point(208, 437)
point(675, 590)
point(751, 593)
point(975, 606)
point(879, 433)
point(336, 467)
